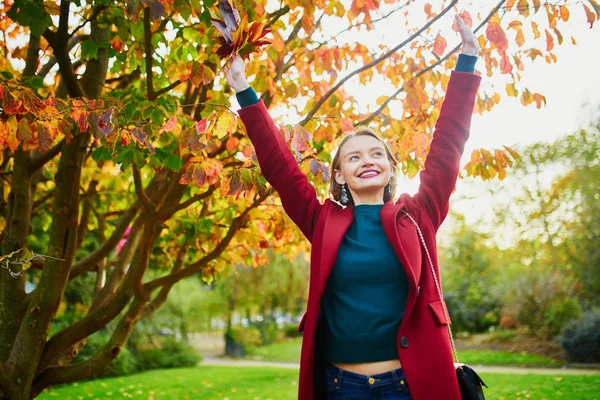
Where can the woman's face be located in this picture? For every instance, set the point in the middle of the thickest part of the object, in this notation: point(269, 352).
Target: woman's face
point(364, 166)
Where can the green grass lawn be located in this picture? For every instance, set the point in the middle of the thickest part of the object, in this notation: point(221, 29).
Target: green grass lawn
point(290, 351)
point(255, 383)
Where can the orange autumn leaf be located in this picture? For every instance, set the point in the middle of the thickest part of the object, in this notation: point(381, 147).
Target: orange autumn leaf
point(549, 41)
point(591, 18)
point(495, 34)
point(439, 45)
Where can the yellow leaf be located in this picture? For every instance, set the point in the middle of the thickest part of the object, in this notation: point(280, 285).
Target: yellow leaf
point(510, 90)
point(226, 125)
point(12, 126)
point(520, 39)
point(536, 32)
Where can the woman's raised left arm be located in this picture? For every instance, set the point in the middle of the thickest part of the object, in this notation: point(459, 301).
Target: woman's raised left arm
point(438, 178)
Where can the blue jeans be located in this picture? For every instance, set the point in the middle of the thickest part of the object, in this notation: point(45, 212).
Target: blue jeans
point(342, 384)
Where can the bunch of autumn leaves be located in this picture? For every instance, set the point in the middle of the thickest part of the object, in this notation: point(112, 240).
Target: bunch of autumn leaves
point(238, 36)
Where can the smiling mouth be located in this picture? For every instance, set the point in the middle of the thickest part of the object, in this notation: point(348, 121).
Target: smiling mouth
point(368, 174)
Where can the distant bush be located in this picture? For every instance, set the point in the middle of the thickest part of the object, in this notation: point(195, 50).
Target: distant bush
point(474, 311)
point(170, 354)
point(502, 336)
point(137, 355)
point(246, 336)
point(581, 338)
point(291, 331)
point(542, 301)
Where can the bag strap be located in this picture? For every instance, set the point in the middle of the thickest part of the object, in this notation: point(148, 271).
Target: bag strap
point(437, 284)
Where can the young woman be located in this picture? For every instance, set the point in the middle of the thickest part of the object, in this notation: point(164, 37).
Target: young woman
point(375, 326)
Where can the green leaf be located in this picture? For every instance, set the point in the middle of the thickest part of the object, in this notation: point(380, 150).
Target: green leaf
point(101, 154)
point(124, 157)
point(174, 162)
point(89, 50)
point(36, 82)
point(7, 75)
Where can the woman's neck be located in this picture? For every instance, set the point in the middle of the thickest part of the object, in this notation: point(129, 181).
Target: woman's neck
point(368, 198)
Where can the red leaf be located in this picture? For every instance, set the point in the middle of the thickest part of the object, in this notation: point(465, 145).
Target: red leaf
point(116, 43)
point(505, 65)
point(248, 151)
point(66, 128)
point(439, 46)
point(32, 103)
point(9, 103)
point(81, 118)
point(301, 140)
point(428, 11)
point(495, 34)
point(591, 18)
point(44, 137)
point(347, 125)
point(168, 127)
point(232, 143)
point(201, 126)
point(198, 175)
point(549, 41)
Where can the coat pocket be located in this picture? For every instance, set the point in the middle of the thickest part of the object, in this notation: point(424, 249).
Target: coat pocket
point(437, 309)
point(301, 324)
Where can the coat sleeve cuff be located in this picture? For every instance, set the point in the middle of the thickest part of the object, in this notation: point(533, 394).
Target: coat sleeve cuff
point(247, 97)
point(466, 63)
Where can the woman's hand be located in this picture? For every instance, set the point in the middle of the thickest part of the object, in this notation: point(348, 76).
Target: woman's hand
point(470, 45)
point(236, 74)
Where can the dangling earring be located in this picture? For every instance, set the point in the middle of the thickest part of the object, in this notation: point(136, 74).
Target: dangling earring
point(344, 196)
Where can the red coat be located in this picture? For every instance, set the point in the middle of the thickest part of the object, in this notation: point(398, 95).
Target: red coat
point(423, 345)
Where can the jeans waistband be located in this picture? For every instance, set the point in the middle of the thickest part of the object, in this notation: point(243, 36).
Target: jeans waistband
point(395, 376)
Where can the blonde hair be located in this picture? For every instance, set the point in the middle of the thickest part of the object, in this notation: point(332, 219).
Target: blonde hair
point(335, 189)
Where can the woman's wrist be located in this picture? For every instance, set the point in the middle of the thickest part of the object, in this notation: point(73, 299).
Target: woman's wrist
point(240, 84)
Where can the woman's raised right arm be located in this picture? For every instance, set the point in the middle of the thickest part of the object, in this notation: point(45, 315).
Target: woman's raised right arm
point(276, 161)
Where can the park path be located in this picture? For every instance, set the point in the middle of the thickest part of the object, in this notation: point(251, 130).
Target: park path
point(229, 362)
point(211, 346)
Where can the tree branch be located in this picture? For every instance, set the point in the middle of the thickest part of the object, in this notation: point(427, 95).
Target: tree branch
point(191, 200)
point(429, 68)
point(164, 292)
point(39, 161)
point(148, 50)
point(59, 42)
point(236, 224)
point(95, 13)
point(166, 89)
point(373, 63)
point(274, 16)
point(96, 364)
point(101, 252)
point(52, 61)
point(139, 190)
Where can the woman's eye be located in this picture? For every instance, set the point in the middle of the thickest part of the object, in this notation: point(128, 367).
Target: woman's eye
point(353, 158)
point(378, 154)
